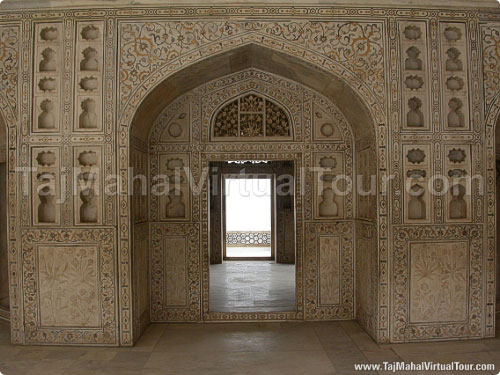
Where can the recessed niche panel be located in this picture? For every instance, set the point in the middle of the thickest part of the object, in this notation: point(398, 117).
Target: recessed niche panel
point(176, 127)
point(417, 163)
point(414, 76)
point(45, 182)
point(46, 114)
point(454, 72)
point(89, 75)
point(458, 167)
point(174, 187)
point(324, 125)
point(88, 114)
point(88, 193)
point(329, 186)
point(46, 78)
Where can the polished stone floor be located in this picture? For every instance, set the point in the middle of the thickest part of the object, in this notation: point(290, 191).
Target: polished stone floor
point(248, 252)
point(313, 348)
point(252, 286)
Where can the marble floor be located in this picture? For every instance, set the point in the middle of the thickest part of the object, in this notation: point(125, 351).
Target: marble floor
point(312, 348)
point(252, 286)
point(248, 252)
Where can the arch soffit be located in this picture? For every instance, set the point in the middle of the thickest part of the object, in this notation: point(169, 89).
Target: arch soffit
point(352, 104)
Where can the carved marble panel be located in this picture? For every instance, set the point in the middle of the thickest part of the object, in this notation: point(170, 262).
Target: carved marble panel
point(89, 67)
point(48, 66)
point(329, 270)
point(325, 126)
point(69, 279)
point(88, 179)
point(141, 274)
point(69, 287)
point(329, 246)
point(454, 73)
point(414, 75)
point(366, 277)
point(438, 281)
point(176, 277)
point(46, 208)
point(175, 272)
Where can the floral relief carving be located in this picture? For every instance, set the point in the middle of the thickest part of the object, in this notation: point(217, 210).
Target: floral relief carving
point(147, 46)
point(438, 286)
point(72, 273)
point(68, 286)
point(9, 60)
point(314, 308)
point(491, 62)
point(427, 256)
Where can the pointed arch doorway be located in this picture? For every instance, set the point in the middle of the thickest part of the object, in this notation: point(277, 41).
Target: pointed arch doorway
point(322, 137)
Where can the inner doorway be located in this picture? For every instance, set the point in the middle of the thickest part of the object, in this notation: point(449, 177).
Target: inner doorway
point(248, 217)
point(252, 217)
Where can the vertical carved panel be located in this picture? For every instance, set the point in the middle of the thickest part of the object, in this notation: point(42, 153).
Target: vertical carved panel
point(46, 162)
point(417, 168)
point(454, 73)
point(88, 179)
point(329, 270)
point(48, 67)
point(89, 69)
point(366, 277)
point(175, 271)
point(415, 75)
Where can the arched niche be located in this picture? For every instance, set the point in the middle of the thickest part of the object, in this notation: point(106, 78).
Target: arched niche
point(149, 231)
